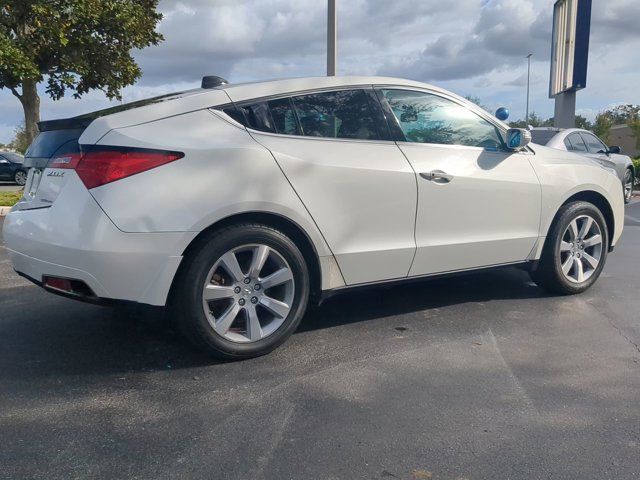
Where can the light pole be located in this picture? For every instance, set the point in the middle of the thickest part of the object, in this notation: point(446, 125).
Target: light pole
point(526, 118)
point(332, 39)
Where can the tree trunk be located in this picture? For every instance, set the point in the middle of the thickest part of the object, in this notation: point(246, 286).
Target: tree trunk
point(31, 106)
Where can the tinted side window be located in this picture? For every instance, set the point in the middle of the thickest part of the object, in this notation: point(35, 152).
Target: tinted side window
point(284, 116)
point(274, 116)
point(258, 117)
point(235, 114)
point(574, 143)
point(341, 114)
point(426, 118)
point(594, 145)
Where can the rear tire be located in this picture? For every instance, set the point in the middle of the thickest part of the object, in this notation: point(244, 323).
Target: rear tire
point(242, 308)
point(575, 250)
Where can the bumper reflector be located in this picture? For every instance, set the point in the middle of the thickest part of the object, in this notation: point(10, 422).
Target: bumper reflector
point(67, 285)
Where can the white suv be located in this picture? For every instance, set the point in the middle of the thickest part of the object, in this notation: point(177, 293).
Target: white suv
point(233, 205)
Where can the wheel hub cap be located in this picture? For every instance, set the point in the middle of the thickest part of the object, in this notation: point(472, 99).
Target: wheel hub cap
point(580, 249)
point(248, 293)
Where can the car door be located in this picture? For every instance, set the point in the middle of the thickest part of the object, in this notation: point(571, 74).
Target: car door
point(5, 168)
point(598, 151)
point(334, 148)
point(478, 204)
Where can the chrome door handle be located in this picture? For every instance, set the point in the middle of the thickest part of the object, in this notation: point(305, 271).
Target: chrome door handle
point(437, 176)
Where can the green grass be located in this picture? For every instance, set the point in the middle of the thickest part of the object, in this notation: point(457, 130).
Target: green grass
point(8, 199)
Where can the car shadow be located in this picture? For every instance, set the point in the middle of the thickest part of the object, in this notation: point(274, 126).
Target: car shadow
point(48, 335)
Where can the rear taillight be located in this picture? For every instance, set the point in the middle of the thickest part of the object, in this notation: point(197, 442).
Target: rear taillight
point(100, 166)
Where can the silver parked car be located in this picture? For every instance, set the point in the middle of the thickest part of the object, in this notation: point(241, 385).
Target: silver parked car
point(586, 143)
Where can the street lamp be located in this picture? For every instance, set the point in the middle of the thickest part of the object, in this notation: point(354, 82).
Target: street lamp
point(528, 57)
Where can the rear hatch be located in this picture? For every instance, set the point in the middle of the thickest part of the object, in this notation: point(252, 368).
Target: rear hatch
point(42, 188)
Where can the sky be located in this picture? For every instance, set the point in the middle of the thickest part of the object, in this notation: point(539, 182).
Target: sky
point(471, 47)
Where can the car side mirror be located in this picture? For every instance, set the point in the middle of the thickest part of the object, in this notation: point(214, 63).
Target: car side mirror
point(4, 161)
point(518, 138)
point(614, 150)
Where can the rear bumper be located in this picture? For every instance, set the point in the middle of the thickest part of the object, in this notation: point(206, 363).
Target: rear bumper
point(75, 239)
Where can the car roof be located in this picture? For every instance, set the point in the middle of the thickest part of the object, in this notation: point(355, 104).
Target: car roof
point(251, 90)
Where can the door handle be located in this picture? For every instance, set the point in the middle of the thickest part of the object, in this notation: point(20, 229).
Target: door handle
point(437, 176)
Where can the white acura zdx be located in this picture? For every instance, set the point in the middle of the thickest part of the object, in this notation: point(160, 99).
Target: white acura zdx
point(234, 205)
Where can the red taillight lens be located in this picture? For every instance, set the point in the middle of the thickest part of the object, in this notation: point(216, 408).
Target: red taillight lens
point(100, 166)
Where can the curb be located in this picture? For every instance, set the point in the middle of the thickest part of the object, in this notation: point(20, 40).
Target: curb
point(4, 211)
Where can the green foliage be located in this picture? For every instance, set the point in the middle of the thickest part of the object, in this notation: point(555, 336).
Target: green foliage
point(21, 141)
point(534, 120)
point(602, 125)
point(477, 101)
point(9, 199)
point(77, 45)
point(582, 122)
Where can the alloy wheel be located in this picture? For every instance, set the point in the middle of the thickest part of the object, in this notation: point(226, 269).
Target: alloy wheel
point(581, 249)
point(20, 178)
point(248, 293)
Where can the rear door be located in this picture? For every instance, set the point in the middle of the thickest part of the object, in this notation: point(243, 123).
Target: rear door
point(598, 151)
point(478, 204)
point(334, 148)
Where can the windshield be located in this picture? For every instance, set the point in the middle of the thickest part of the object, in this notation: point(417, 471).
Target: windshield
point(13, 157)
point(542, 137)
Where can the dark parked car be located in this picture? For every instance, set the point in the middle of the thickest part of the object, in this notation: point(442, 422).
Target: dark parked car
point(11, 168)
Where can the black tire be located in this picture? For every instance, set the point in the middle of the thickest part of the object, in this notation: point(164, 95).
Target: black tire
point(548, 274)
point(628, 176)
point(20, 177)
point(186, 303)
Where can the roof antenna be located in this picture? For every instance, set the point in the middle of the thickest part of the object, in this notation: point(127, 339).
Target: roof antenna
point(212, 81)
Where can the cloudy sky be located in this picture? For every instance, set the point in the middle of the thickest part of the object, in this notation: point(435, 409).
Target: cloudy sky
point(472, 47)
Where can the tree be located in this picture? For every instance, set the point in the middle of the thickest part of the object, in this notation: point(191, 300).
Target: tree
point(21, 141)
point(602, 125)
point(582, 122)
point(75, 45)
point(477, 101)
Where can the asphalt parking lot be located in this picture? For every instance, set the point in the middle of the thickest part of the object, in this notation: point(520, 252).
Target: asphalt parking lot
point(9, 187)
point(476, 377)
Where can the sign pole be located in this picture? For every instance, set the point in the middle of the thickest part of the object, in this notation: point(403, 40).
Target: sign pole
point(526, 117)
point(332, 39)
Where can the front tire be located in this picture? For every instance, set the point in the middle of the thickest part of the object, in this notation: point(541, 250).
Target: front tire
point(575, 250)
point(627, 185)
point(242, 292)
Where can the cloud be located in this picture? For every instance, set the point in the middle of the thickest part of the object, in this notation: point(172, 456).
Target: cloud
point(472, 47)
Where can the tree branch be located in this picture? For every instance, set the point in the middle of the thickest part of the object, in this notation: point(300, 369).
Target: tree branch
point(15, 93)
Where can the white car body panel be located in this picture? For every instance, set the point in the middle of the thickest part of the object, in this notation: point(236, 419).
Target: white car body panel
point(564, 174)
point(361, 203)
point(75, 239)
point(492, 213)
point(362, 194)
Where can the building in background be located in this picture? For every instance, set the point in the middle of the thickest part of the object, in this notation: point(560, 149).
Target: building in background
point(623, 137)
